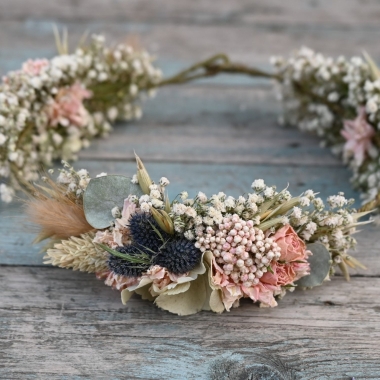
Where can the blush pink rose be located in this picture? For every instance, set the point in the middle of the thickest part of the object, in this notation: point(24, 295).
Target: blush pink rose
point(285, 274)
point(67, 107)
point(358, 134)
point(292, 247)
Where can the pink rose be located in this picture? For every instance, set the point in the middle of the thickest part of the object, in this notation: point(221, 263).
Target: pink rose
point(285, 274)
point(292, 247)
point(67, 107)
point(358, 134)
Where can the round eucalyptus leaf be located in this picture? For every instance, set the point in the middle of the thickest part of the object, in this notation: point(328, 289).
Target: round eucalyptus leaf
point(103, 194)
point(319, 266)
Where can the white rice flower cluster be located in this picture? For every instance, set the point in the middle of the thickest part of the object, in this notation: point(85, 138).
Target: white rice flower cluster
point(241, 250)
point(320, 93)
point(52, 109)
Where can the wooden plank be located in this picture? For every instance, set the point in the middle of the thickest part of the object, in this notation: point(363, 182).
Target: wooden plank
point(322, 13)
point(249, 44)
point(198, 124)
point(69, 325)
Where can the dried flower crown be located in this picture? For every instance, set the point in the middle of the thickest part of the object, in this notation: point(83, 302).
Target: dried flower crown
point(192, 254)
point(188, 254)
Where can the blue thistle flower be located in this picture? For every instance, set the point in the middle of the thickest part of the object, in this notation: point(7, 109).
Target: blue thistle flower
point(178, 256)
point(146, 233)
point(124, 267)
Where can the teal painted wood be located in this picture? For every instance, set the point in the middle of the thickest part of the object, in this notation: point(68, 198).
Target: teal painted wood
point(198, 124)
point(68, 325)
point(252, 44)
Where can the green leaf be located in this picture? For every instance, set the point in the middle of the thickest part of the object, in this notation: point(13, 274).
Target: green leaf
point(320, 263)
point(105, 193)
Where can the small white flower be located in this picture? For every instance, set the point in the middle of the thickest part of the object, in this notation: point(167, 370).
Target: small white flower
point(258, 184)
point(132, 198)
point(189, 235)
point(297, 212)
point(82, 173)
point(269, 192)
point(304, 201)
point(309, 194)
point(156, 203)
point(318, 203)
point(102, 77)
point(371, 105)
point(179, 209)
point(133, 89)
point(184, 195)
point(112, 113)
point(144, 198)
point(229, 202)
point(116, 212)
point(36, 82)
point(155, 194)
point(202, 198)
point(12, 156)
point(134, 179)
point(164, 181)
point(285, 220)
point(337, 201)
point(6, 193)
point(145, 207)
point(84, 182)
point(3, 139)
point(191, 212)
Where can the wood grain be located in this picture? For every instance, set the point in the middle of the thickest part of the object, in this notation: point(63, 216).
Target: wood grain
point(69, 325)
point(197, 124)
point(322, 13)
point(216, 135)
point(176, 45)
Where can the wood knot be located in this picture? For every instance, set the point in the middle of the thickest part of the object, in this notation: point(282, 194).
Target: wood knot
point(258, 367)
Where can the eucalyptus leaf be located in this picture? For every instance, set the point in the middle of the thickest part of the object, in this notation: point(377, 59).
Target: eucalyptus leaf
point(105, 193)
point(319, 266)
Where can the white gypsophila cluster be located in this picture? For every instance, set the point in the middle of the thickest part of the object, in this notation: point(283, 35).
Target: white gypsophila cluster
point(74, 181)
point(311, 82)
point(320, 93)
point(53, 108)
point(267, 209)
point(156, 196)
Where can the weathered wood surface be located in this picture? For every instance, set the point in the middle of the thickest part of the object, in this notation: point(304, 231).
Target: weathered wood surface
point(214, 136)
point(61, 324)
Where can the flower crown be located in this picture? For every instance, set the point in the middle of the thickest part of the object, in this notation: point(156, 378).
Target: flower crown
point(192, 254)
point(186, 254)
